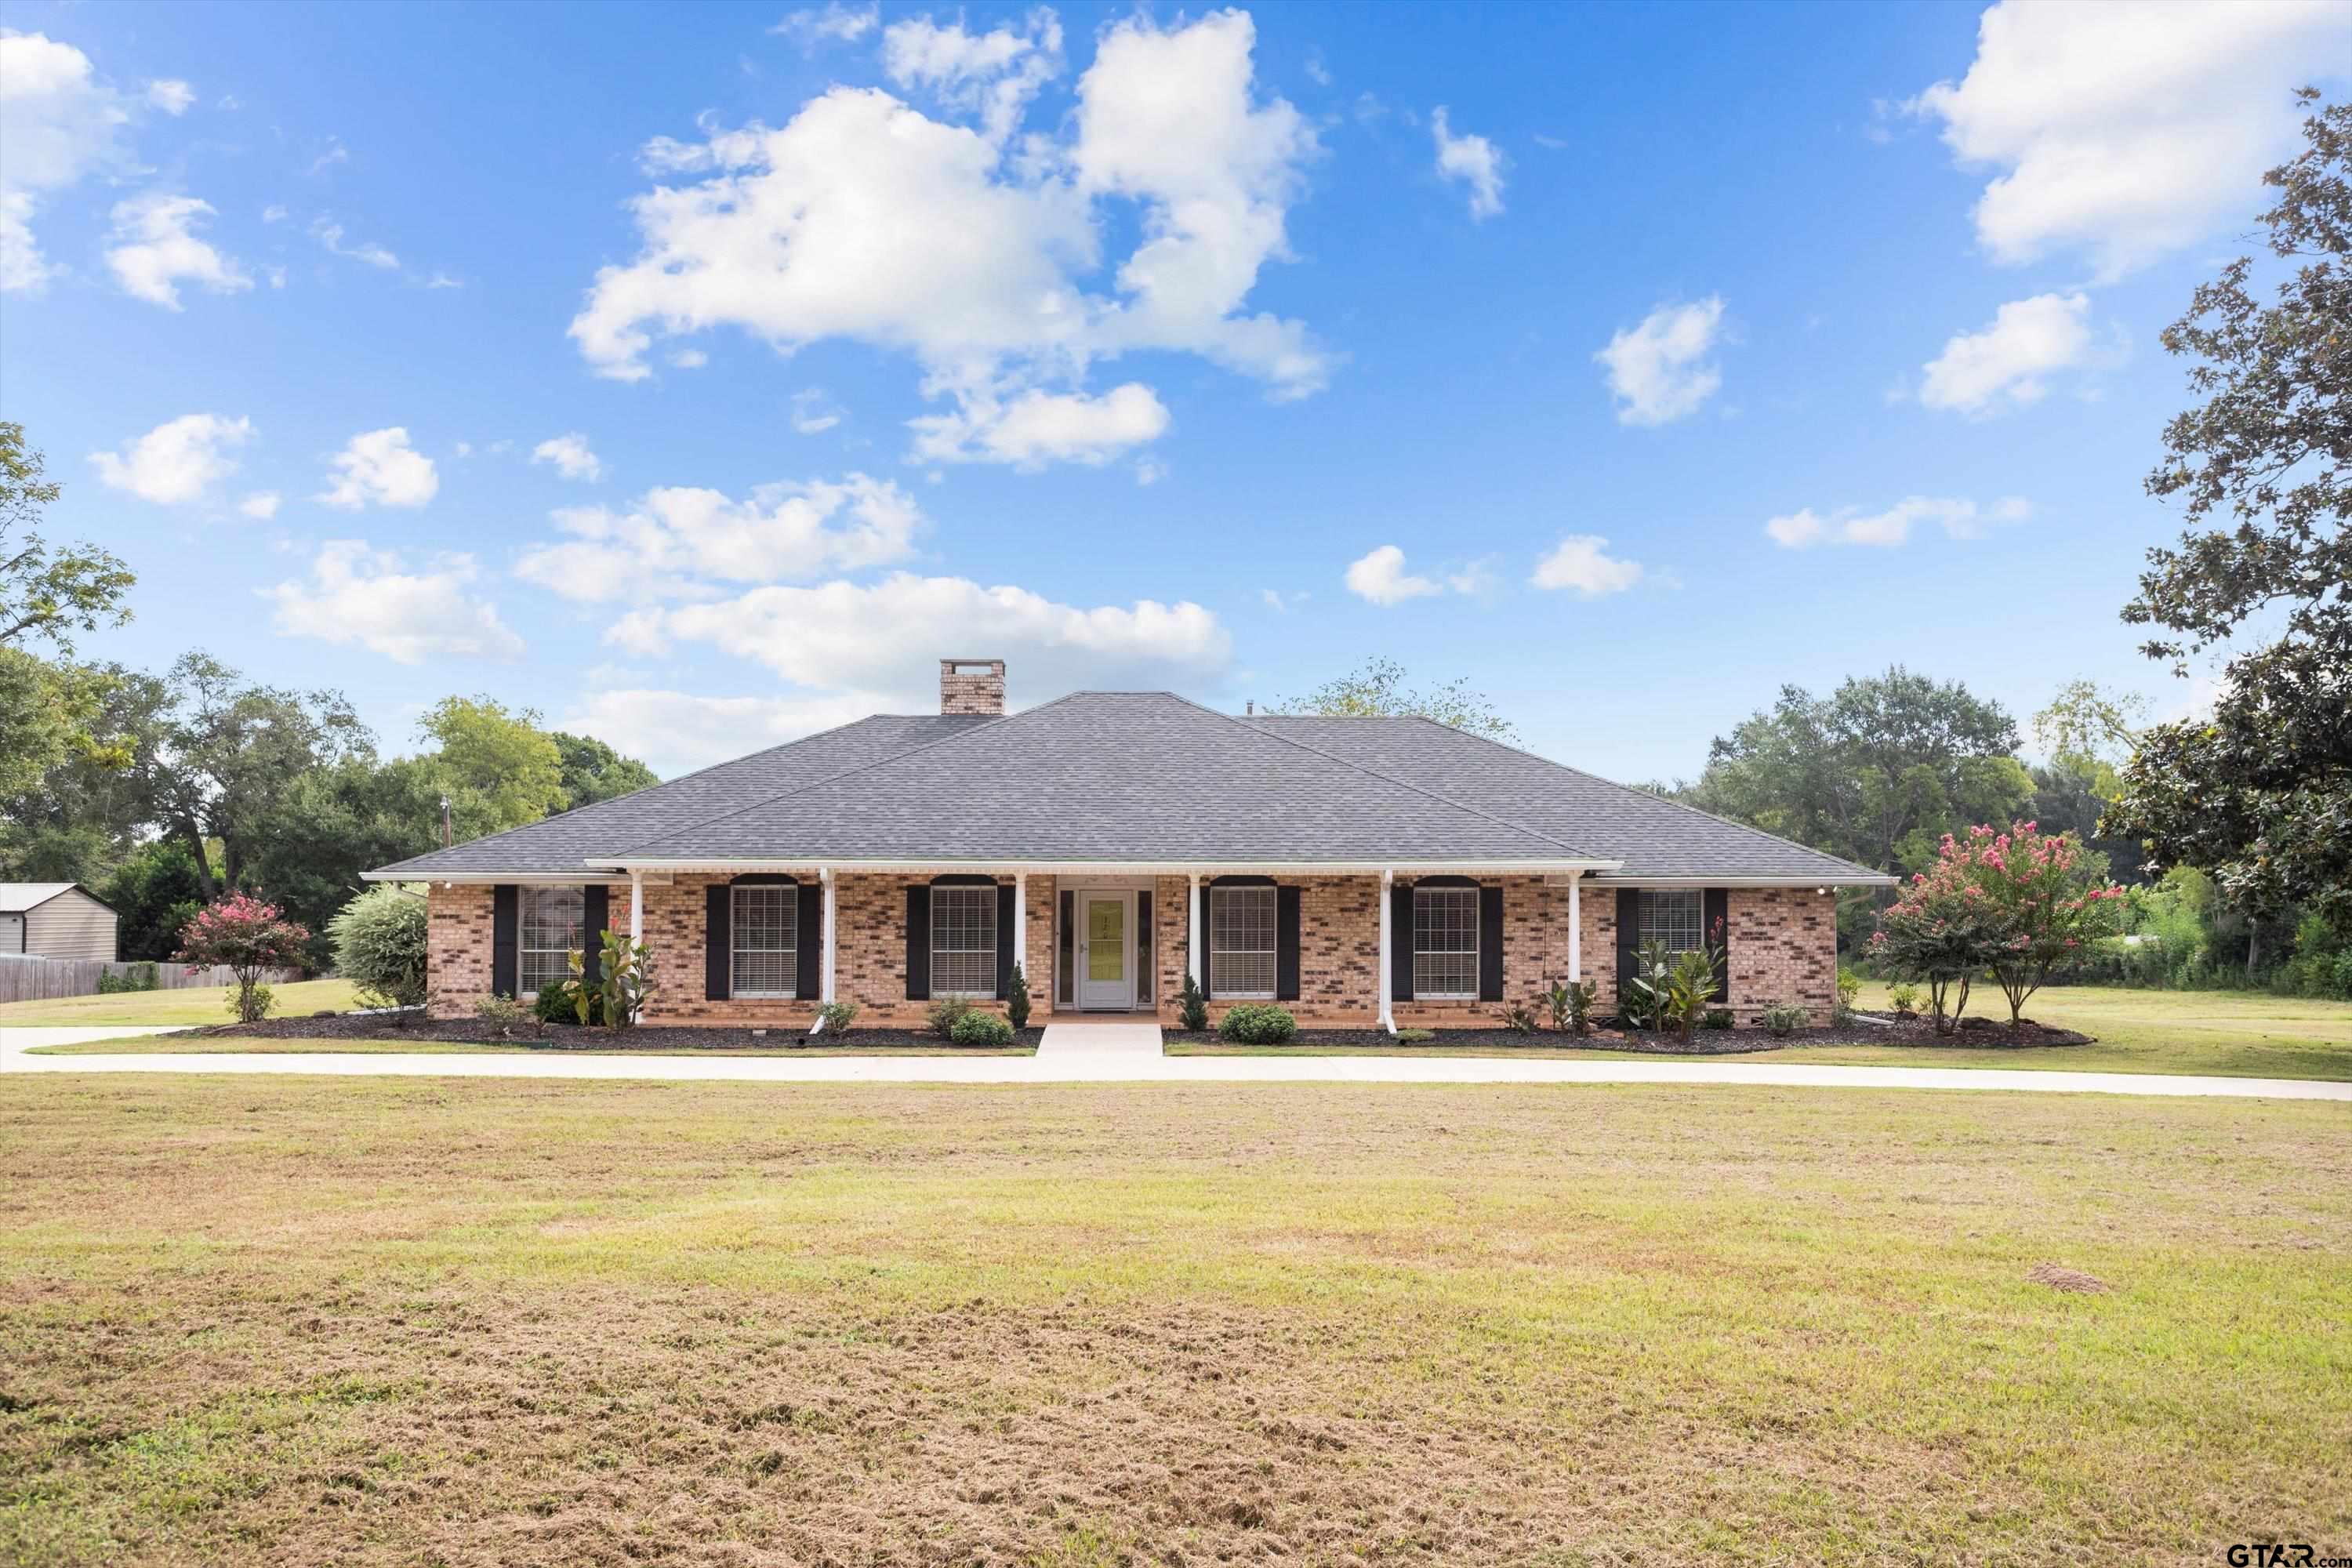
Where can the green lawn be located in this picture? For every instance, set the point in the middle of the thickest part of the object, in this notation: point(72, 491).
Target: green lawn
point(380, 1321)
point(643, 1043)
point(2222, 1033)
point(206, 1004)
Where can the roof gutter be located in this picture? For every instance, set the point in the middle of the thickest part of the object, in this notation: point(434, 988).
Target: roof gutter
point(1842, 880)
point(1007, 866)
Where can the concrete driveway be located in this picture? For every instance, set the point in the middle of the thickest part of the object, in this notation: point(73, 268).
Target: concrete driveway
point(1121, 1061)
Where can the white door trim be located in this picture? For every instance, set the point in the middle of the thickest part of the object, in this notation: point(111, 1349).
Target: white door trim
point(1091, 995)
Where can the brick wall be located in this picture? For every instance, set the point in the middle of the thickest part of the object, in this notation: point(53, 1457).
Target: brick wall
point(1783, 948)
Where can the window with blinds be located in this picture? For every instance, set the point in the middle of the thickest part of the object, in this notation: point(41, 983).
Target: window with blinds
point(1676, 917)
point(964, 941)
point(1445, 944)
point(1240, 942)
point(766, 935)
point(547, 929)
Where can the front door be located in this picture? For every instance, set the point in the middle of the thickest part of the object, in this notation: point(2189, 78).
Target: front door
point(1106, 963)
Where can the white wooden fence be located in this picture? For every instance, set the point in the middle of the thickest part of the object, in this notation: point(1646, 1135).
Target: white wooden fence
point(24, 978)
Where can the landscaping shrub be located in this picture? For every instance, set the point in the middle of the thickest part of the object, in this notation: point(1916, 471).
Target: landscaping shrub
point(1520, 1020)
point(1191, 1007)
point(379, 945)
point(1571, 1005)
point(946, 1013)
point(836, 1017)
point(974, 1028)
point(1016, 999)
point(1715, 1018)
point(503, 1013)
point(1849, 988)
point(1415, 1037)
point(555, 1005)
point(137, 977)
point(1782, 1019)
point(247, 936)
point(1258, 1023)
point(1904, 996)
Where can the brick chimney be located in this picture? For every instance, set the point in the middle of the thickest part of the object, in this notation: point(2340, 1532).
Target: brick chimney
point(971, 685)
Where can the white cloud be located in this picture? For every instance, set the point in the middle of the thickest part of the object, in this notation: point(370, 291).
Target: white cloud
point(1273, 600)
point(154, 245)
point(330, 235)
point(360, 595)
point(677, 732)
point(1581, 563)
point(814, 413)
point(1040, 427)
point(1150, 471)
point(273, 213)
point(1473, 160)
point(889, 638)
point(440, 279)
point(835, 24)
point(1382, 578)
point(2004, 366)
point(675, 539)
point(1659, 370)
point(336, 152)
point(176, 461)
point(2132, 128)
point(689, 359)
point(831, 227)
point(570, 455)
point(170, 96)
point(993, 75)
point(1961, 519)
point(57, 123)
point(380, 466)
point(261, 505)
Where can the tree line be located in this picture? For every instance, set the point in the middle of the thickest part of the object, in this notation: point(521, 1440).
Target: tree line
point(167, 791)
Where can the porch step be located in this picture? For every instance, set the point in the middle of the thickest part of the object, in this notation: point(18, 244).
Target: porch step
point(1100, 1040)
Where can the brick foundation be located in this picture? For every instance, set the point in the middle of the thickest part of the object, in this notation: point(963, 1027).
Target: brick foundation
point(1783, 945)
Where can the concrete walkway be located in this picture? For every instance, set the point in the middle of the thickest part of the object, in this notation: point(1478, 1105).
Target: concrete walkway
point(1120, 1042)
point(1130, 1065)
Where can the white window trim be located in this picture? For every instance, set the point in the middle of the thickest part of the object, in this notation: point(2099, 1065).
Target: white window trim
point(735, 947)
point(1271, 952)
point(988, 898)
point(524, 989)
point(1413, 936)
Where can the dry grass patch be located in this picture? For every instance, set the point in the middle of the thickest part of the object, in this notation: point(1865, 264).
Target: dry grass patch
point(384, 1322)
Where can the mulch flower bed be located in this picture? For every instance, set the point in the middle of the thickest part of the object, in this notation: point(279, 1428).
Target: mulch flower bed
point(396, 1026)
point(1892, 1030)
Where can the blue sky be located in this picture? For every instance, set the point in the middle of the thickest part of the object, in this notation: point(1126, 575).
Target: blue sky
point(701, 378)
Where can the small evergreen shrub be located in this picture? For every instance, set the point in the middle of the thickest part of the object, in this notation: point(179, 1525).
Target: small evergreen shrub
point(379, 943)
point(557, 1003)
point(974, 1028)
point(1520, 1020)
point(1258, 1023)
point(250, 1004)
point(1193, 1009)
point(137, 977)
point(946, 1014)
point(1715, 1018)
point(1016, 999)
point(836, 1017)
point(1904, 996)
point(1415, 1037)
point(503, 1013)
point(1782, 1019)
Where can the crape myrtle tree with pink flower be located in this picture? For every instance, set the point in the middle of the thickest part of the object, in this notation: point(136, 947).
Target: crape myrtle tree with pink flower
point(2018, 905)
point(247, 936)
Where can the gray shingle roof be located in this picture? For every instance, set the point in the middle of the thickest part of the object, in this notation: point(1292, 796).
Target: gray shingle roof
point(1655, 838)
point(1140, 776)
point(563, 843)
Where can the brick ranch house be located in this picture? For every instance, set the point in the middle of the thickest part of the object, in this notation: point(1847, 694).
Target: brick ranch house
point(1363, 871)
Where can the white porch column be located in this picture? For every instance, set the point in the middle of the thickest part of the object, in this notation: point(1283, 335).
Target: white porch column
point(1388, 1002)
point(636, 906)
point(824, 969)
point(1576, 928)
point(1021, 929)
point(1192, 942)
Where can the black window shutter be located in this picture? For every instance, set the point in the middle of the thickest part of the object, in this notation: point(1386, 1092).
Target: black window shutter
point(1286, 945)
point(596, 914)
point(1629, 938)
point(1490, 944)
point(1143, 959)
point(918, 945)
point(505, 912)
point(717, 942)
point(1005, 955)
point(808, 921)
point(1065, 966)
point(1718, 910)
point(1400, 942)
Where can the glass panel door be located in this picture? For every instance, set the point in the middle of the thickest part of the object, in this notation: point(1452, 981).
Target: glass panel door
point(1107, 940)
